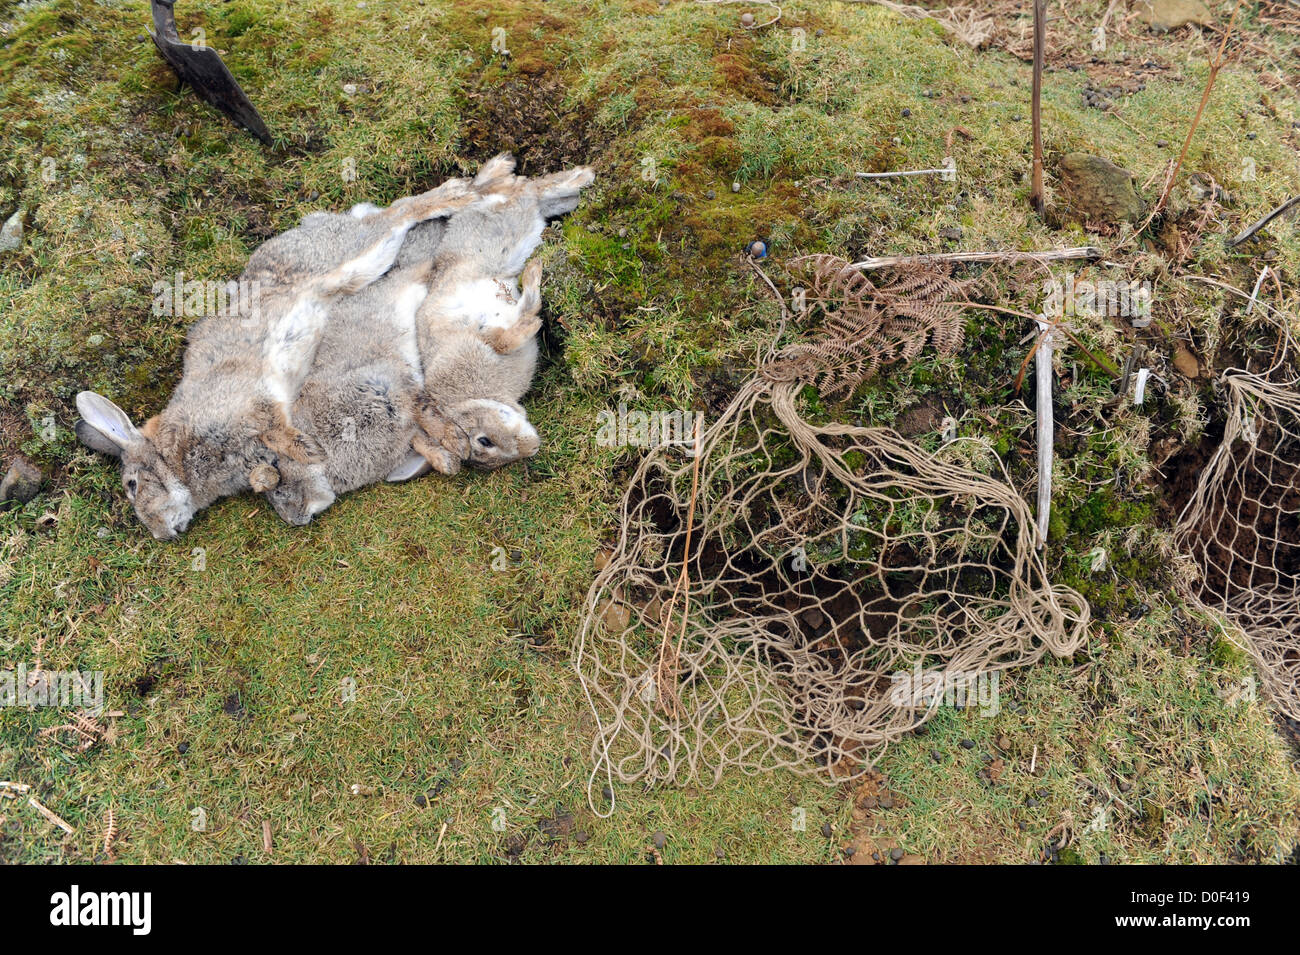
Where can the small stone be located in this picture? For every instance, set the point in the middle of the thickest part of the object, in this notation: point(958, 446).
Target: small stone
point(182, 748)
point(1162, 144)
point(22, 482)
point(11, 233)
point(906, 112)
point(710, 195)
point(622, 232)
point(1250, 135)
point(746, 20)
point(1186, 364)
point(895, 853)
point(582, 837)
point(813, 617)
point(735, 186)
point(826, 829)
point(421, 801)
point(965, 98)
point(659, 839)
point(1096, 190)
point(936, 756)
point(968, 744)
point(1164, 15)
point(350, 89)
point(952, 234)
point(1125, 786)
point(1003, 741)
point(719, 853)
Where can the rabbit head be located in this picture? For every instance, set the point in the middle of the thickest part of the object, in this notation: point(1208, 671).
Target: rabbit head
point(169, 476)
point(492, 433)
point(157, 492)
point(301, 492)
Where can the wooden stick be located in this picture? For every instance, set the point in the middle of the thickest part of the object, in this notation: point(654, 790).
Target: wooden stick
point(902, 172)
point(1046, 430)
point(1215, 67)
point(1040, 42)
point(31, 801)
point(1251, 230)
point(1088, 252)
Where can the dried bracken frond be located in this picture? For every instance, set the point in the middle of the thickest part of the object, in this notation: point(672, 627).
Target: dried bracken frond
point(866, 326)
point(110, 832)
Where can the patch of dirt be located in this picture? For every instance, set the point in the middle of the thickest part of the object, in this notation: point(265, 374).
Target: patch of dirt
point(524, 115)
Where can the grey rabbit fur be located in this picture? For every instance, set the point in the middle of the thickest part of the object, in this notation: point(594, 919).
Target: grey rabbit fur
point(228, 422)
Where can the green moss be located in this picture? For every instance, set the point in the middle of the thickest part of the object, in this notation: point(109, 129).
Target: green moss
point(1105, 510)
point(1226, 654)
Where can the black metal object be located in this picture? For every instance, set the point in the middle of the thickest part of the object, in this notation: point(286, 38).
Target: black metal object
point(203, 70)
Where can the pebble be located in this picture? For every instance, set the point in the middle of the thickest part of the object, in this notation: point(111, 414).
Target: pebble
point(968, 744)
point(826, 829)
point(746, 19)
point(11, 233)
point(183, 748)
point(936, 756)
point(710, 195)
point(735, 187)
point(659, 839)
point(895, 853)
point(421, 801)
point(22, 482)
point(906, 112)
point(581, 837)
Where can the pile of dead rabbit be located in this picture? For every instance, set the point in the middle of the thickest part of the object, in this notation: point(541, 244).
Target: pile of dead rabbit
point(374, 345)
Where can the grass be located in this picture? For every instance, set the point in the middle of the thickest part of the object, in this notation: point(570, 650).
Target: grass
point(232, 655)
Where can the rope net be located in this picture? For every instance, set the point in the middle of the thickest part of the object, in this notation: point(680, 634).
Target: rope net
point(1242, 526)
point(797, 593)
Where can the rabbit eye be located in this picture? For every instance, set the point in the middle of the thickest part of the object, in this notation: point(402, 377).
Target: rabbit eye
point(484, 441)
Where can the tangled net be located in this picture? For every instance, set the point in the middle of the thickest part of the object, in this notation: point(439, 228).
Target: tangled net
point(1242, 526)
point(799, 594)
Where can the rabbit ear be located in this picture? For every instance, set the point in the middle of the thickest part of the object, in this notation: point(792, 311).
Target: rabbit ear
point(498, 167)
point(558, 192)
point(413, 467)
point(107, 427)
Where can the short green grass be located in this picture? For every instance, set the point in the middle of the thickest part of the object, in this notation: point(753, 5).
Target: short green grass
point(393, 683)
